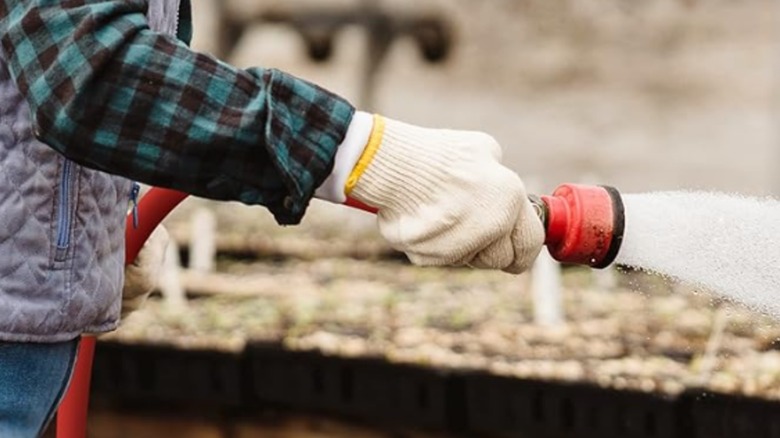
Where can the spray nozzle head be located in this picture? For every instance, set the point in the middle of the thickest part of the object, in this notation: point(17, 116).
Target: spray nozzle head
point(584, 224)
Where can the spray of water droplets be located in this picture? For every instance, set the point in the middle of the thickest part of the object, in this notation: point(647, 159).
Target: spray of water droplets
point(727, 245)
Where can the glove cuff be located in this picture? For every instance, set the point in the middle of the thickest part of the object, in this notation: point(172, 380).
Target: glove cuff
point(403, 165)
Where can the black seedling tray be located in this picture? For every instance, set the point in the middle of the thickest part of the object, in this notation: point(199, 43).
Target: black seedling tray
point(505, 406)
point(403, 396)
point(408, 395)
point(713, 415)
point(368, 389)
point(160, 373)
point(290, 379)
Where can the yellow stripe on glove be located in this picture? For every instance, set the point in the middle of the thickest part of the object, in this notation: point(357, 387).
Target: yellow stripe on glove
point(368, 154)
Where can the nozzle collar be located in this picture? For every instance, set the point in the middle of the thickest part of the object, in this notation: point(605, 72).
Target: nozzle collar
point(584, 224)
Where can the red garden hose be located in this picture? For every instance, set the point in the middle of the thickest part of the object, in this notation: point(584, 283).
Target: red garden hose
point(72, 414)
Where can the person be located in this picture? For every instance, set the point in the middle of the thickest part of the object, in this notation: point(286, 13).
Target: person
point(97, 94)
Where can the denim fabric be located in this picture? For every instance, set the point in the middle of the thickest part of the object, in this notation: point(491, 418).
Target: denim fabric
point(33, 379)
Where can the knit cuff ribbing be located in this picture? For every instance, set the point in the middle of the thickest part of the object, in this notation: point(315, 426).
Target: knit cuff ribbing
point(405, 171)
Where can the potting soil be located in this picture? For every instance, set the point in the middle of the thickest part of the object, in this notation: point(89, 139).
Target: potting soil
point(727, 245)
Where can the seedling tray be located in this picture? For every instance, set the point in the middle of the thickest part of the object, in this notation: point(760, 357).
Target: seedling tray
point(161, 373)
point(714, 415)
point(266, 375)
point(366, 388)
point(506, 406)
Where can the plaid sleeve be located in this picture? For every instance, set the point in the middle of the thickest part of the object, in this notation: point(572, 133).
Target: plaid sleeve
point(109, 93)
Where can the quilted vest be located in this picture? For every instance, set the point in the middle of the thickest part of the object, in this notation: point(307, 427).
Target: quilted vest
point(61, 227)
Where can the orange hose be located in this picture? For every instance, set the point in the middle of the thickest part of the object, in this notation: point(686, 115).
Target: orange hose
point(72, 413)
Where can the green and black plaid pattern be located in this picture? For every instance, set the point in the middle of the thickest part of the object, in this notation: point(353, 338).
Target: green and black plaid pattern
point(109, 93)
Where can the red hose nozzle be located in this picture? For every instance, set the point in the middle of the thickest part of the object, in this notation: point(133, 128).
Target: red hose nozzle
point(584, 224)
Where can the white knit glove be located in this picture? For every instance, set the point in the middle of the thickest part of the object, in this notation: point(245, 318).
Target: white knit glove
point(444, 198)
point(141, 276)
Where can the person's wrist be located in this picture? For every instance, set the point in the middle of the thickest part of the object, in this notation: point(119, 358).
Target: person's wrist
point(349, 152)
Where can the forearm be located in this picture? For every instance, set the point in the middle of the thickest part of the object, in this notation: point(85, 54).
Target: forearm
point(109, 93)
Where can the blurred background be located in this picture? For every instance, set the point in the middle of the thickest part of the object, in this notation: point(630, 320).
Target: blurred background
point(665, 94)
point(641, 95)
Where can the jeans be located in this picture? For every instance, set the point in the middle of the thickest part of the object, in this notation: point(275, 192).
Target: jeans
point(33, 379)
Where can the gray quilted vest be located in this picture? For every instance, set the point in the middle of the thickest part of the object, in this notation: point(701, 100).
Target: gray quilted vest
point(61, 227)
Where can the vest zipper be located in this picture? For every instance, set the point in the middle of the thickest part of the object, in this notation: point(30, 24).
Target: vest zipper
point(176, 16)
point(63, 210)
point(134, 199)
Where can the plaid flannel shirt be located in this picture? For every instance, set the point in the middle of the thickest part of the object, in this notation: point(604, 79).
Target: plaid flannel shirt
point(108, 93)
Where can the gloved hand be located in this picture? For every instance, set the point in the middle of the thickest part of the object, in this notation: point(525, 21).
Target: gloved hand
point(142, 275)
point(445, 199)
